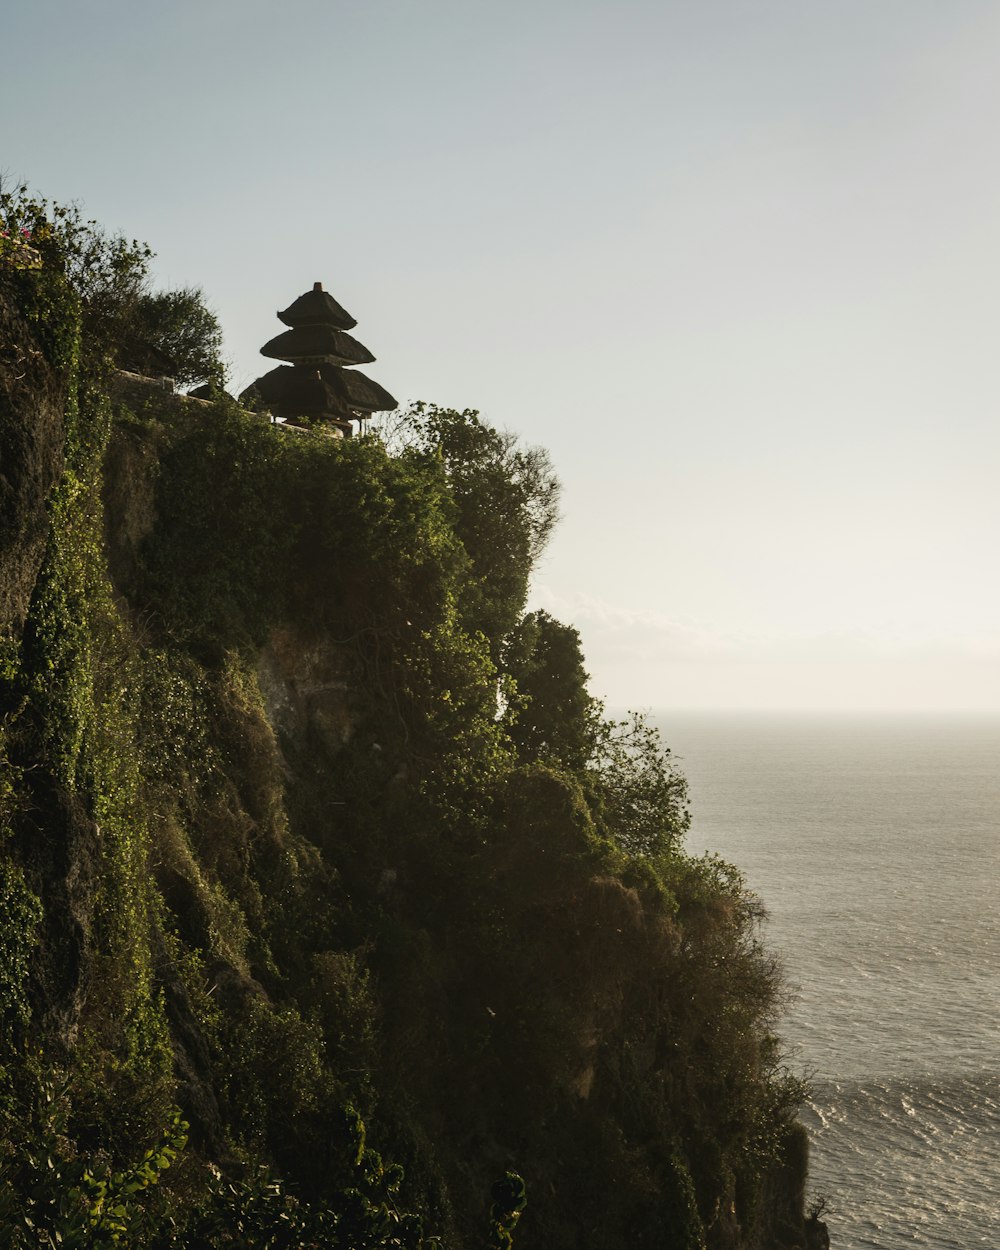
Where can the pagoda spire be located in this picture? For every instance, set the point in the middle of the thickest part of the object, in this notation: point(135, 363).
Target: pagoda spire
point(318, 384)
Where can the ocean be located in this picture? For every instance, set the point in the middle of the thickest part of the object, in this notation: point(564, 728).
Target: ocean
point(875, 845)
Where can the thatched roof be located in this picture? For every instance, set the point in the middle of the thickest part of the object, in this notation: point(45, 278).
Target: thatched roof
point(354, 390)
point(358, 391)
point(298, 392)
point(317, 343)
point(317, 307)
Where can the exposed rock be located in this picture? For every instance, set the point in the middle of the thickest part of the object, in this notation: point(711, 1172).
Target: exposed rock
point(304, 682)
point(817, 1234)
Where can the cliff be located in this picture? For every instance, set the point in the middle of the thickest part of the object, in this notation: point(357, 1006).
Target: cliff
point(291, 835)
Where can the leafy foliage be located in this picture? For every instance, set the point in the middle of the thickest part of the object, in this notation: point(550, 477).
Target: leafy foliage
point(507, 503)
point(262, 1213)
point(109, 274)
point(180, 324)
point(509, 1200)
point(551, 716)
point(640, 796)
point(303, 814)
point(20, 913)
point(51, 1196)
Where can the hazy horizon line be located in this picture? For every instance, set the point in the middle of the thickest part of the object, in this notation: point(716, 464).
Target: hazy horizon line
point(790, 712)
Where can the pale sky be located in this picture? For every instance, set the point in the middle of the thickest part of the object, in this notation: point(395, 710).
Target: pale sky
point(736, 265)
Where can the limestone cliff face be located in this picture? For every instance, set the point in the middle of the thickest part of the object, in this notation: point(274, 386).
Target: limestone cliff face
point(305, 681)
point(266, 849)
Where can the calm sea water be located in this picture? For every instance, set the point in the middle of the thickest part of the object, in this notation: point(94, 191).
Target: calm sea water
point(875, 845)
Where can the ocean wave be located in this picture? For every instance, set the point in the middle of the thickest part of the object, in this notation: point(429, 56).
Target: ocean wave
point(908, 1162)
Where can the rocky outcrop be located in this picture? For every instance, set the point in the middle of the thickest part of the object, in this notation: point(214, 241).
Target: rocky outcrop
point(305, 683)
point(817, 1234)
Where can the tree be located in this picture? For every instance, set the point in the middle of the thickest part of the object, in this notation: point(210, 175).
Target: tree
point(637, 795)
point(110, 275)
point(551, 716)
point(640, 797)
point(180, 324)
point(506, 498)
point(108, 272)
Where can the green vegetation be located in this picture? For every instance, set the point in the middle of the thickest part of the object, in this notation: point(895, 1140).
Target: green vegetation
point(307, 827)
point(180, 324)
point(122, 318)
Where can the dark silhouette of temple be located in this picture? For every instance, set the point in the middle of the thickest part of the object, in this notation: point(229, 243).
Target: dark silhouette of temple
point(319, 384)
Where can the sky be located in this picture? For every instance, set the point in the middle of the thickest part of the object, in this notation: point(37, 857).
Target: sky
point(734, 263)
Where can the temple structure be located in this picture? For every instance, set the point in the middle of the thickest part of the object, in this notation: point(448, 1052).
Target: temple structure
point(319, 383)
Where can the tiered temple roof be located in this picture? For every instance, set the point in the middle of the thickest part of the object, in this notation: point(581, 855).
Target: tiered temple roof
point(306, 344)
point(317, 307)
point(318, 384)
